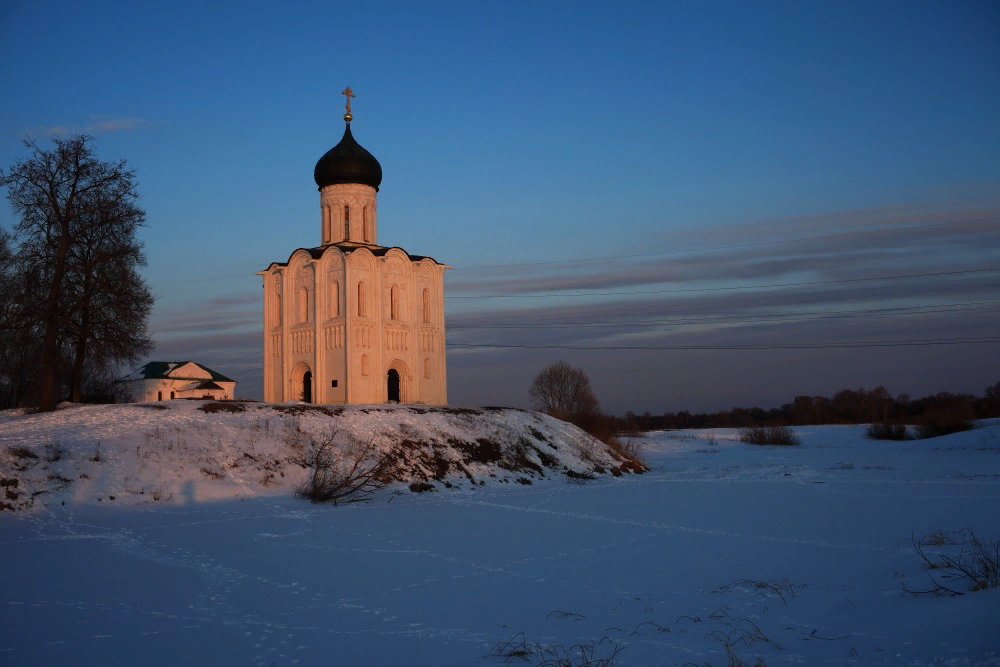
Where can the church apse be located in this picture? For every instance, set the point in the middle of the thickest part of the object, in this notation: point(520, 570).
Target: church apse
point(351, 321)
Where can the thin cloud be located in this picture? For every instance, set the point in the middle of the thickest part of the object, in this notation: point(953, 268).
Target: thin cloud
point(105, 124)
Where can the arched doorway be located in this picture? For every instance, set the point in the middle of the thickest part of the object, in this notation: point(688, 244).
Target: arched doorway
point(307, 383)
point(300, 384)
point(393, 385)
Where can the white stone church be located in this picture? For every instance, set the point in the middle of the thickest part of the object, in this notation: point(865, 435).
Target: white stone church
point(352, 321)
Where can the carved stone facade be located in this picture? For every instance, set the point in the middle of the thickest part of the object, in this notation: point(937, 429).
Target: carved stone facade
point(351, 321)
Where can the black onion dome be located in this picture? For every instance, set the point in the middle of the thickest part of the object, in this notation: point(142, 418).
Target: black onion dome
point(348, 162)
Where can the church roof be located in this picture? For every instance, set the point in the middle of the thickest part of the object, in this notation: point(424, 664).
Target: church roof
point(349, 247)
point(348, 162)
point(208, 384)
point(160, 370)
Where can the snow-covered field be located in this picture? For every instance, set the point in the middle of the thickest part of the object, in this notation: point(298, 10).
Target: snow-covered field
point(790, 555)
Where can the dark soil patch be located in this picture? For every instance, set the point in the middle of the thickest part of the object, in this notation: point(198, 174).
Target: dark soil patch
point(22, 453)
point(481, 451)
point(308, 407)
point(211, 474)
point(223, 406)
point(420, 487)
point(583, 476)
point(151, 406)
point(538, 435)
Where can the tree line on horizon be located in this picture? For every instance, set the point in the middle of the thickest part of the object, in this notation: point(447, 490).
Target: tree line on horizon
point(848, 406)
point(73, 305)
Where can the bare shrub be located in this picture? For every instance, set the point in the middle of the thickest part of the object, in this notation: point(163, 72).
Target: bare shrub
point(769, 435)
point(887, 432)
point(628, 450)
point(349, 473)
point(977, 564)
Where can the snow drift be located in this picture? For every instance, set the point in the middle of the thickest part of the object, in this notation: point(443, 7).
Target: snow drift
point(185, 451)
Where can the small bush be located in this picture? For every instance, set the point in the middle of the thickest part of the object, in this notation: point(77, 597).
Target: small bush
point(887, 432)
point(769, 435)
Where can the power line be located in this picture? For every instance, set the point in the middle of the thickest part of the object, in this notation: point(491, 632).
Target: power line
point(802, 346)
point(726, 289)
point(729, 247)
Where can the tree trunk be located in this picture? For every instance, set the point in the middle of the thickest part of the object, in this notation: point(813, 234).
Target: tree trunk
point(48, 395)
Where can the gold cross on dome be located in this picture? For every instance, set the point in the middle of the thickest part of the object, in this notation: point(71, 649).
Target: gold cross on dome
point(348, 93)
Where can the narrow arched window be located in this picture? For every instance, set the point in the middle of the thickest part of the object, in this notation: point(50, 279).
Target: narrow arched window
point(327, 230)
point(277, 307)
point(365, 365)
point(347, 222)
point(334, 299)
point(361, 299)
point(394, 303)
point(171, 396)
point(427, 367)
point(304, 305)
point(427, 304)
point(159, 395)
point(364, 222)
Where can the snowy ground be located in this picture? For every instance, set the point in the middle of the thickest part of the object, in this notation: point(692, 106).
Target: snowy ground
point(659, 566)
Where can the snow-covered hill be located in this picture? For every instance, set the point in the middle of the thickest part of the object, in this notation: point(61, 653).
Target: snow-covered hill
point(183, 451)
point(723, 554)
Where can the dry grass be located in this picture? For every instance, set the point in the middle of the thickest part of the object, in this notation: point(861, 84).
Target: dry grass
point(976, 567)
point(518, 649)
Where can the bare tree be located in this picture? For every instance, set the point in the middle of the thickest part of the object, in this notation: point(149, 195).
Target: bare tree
point(77, 254)
point(563, 392)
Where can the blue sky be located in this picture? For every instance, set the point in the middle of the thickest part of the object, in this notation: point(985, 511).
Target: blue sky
point(519, 133)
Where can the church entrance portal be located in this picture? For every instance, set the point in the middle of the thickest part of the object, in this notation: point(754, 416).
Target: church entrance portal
point(307, 383)
point(393, 380)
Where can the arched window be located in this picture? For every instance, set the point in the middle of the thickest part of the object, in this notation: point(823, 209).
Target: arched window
point(426, 304)
point(394, 303)
point(327, 235)
point(277, 307)
point(334, 299)
point(159, 395)
point(304, 304)
point(366, 367)
point(347, 222)
point(427, 367)
point(171, 396)
point(364, 222)
point(361, 299)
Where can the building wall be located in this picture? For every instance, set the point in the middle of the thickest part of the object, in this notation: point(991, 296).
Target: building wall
point(350, 317)
point(144, 391)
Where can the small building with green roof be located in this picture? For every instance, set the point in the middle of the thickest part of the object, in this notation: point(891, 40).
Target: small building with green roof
point(170, 380)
